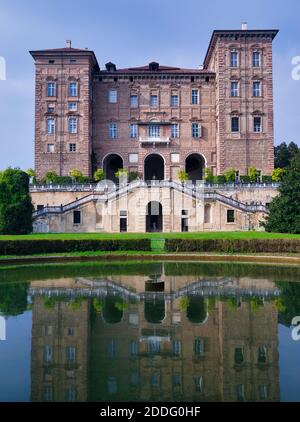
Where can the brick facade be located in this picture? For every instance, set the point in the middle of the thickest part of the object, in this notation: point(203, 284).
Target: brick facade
point(217, 146)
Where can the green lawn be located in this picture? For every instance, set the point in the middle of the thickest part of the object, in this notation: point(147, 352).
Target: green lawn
point(195, 235)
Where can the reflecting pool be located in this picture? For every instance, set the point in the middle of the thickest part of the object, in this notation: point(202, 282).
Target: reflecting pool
point(149, 332)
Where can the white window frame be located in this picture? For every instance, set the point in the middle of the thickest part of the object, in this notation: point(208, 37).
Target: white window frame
point(234, 89)
point(174, 100)
point(255, 126)
point(50, 125)
point(255, 62)
point(196, 130)
point(72, 125)
point(175, 130)
point(113, 130)
point(154, 100)
point(234, 63)
point(112, 96)
point(51, 92)
point(256, 92)
point(133, 101)
point(133, 130)
point(73, 89)
point(154, 131)
point(195, 96)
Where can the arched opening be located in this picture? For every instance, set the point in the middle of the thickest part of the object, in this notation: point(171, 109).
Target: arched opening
point(113, 309)
point(196, 310)
point(154, 167)
point(111, 164)
point(154, 310)
point(154, 217)
point(194, 166)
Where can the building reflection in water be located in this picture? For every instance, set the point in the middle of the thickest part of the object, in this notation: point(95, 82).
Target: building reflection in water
point(163, 338)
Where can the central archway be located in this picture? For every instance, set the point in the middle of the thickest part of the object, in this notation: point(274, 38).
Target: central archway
point(154, 167)
point(154, 217)
point(111, 164)
point(194, 166)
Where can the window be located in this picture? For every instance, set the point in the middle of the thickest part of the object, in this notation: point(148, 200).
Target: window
point(133, 348)
point(113, 130)
point(195, 96)
point(51, 89)
point(256, 89)
point(47, 393)
point(257, 124)
point(72, 106)
point(72, 147)
point(155, 380)
point(134, 379)
point(76, 217)
point(154, 346)
point(240, 392)
point(207, 213)
point(176, 347)
point(71, 394)
point(174, 100)
point(48, 352)
point(262, 392)
point(196, 130)
point(50, 129)
point(238, 355)
point(154, 100)
point(112, 96)
point(262, 354)
point(198, 384)
point(256, 59)
point(50, 147)
point(230, 216)
point(234, 89)
point(111, 385)
point(48, 330)
point(235, 126)
point(73, 89)
point(73, 125)
point(199, 346)
point(70, 331)
point(175, 130)
point(71, 354)
point(176, 379)
point(154, 131)
point(112, 348)
point(133, 130)
point(133, 101)
point(233, 58)
point(73, 60)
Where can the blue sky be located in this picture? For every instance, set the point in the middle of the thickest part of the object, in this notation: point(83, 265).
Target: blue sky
point(131, 33)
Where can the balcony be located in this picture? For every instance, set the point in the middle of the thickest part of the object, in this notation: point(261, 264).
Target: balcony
point(154, 140)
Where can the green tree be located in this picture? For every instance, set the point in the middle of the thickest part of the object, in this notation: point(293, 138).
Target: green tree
point(13, 298)
point(99, 175)
point(183, 176)
point(77, 175)
point(253, 174)
point(32, 174)
point(15, 203)
point(284, 210)
point(209, 177)
point(277, 174)
point(284, 153)
point(50, 177)
point(230, 175)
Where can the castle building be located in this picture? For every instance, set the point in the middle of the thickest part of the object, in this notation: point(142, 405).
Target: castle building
point(157, 119)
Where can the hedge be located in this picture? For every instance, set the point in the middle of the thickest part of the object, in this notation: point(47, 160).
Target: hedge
point(233, 245)
point(40, 246)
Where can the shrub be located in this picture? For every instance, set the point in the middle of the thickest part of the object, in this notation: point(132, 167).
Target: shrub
point(245, 179)
point(220, 179)
point(253, 174)
point(99, 175)
point(233, 245)
point(277, 174)
point(134, 175)
point(183, 176)
point(230, 175)
point(267, 179)
point(41, 246)
point(209, 177)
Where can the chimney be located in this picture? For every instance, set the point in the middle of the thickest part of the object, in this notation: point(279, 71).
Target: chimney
point(244, 26)
point(69, 43)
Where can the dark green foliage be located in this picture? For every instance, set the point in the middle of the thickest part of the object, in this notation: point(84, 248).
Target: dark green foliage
point(284, 154)
point(245, 179)
point(284, 215)
point(28, 247)
point(13, 298)
point(267, 179)
point(290, 301)
point(196, 309)
point(220, 179)
point(233, 245)
point(15, 203)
